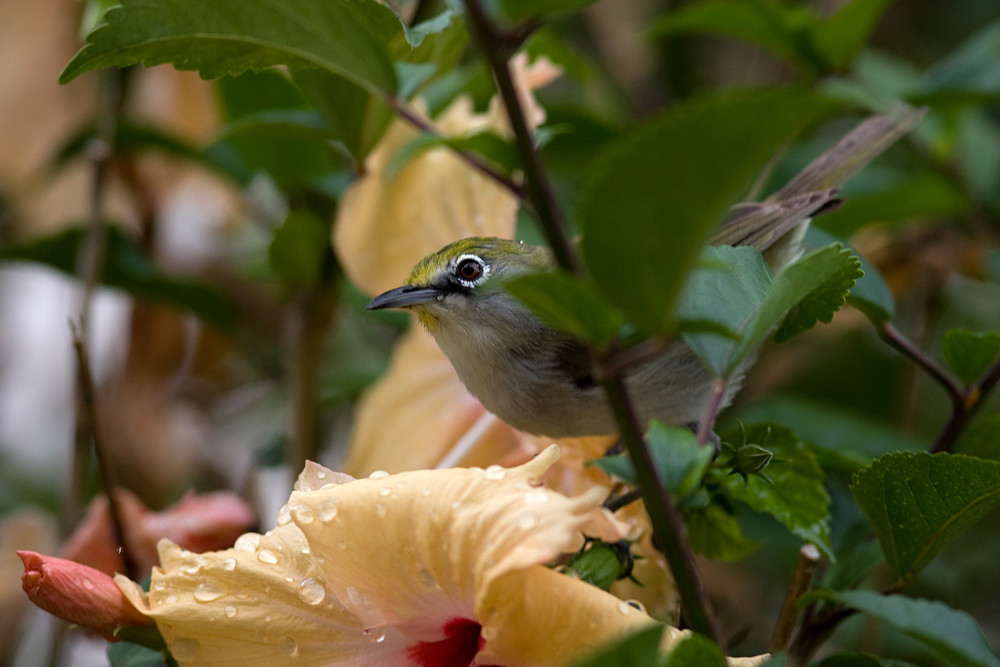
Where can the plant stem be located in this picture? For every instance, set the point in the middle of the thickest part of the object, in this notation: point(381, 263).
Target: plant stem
point(895, 338)
point(809, 558)
point(473, 160)
point(497, 48)
point(669, 534)
point(90, 417)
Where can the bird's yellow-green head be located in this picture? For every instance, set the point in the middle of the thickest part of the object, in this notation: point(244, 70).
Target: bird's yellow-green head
point(461, 279)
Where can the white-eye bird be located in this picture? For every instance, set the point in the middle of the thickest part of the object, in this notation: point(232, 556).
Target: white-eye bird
point(541, 380)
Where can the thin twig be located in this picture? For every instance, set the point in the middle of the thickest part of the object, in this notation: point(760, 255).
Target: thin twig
point(966, 407)
point(473, 160)
point(895, 338)
point(707, 423)
point(617, 502)
point(809, 558)
point(669, 534)
point(497, 47)
point(92, 417)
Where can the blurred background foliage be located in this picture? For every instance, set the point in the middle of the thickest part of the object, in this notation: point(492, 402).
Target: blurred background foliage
point(222, 310)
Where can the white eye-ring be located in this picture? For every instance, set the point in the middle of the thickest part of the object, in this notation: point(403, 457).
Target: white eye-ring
point(471, 270)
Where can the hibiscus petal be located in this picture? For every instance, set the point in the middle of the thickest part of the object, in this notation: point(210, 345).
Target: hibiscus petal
point(412, 550)
point(260, 603)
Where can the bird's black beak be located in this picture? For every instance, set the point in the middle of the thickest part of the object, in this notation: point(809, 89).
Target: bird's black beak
point(403, 297)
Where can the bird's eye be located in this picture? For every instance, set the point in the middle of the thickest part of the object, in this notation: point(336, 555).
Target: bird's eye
point(470, 270)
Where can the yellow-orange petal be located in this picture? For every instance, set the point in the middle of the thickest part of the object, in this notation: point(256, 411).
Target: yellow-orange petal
point(542, 618)
point(413, 550)
point(260, 603)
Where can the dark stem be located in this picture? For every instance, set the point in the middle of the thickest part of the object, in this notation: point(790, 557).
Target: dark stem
point(471, 159)
point(904, 346)
point(617, 502)
point(965, 408)
point(801, 581)
point(91, 416)
point(669, 534)
point(707, 422)
point(497, 48)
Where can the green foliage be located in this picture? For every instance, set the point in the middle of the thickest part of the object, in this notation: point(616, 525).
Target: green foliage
point(808, 290)
point(792, 492)
point(126, 268)
point(569, 303)
point(298, 249)
point(918, 503)
point(637, 650)
point(715, 532)
point(696, 651)
point(679, 460)
point(951, 634)
point(657, 193)
point(125, 654)
point(219, 38)
point(970, 354)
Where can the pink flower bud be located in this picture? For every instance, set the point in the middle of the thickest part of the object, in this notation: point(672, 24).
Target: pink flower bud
point(78, 594)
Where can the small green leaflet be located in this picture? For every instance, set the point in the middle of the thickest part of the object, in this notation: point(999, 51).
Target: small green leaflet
point(970, 353)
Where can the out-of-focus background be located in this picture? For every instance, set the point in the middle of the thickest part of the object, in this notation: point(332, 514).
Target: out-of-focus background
point(200, 342)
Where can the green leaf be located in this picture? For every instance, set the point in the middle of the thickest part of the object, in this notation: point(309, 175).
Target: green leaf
point(826, 299)
point(679, 460)
point(780, 28)
point(656, 194)
point(970, 353)
point(125, 654)
point(220, 38)
point(637, 650)
point(982, 439)
point(521, 10)
point(298, 248)
point(715, 533)
point(127, 268)
point(970, 74)
point(696, 651)
point(952, 634)
point(569, 303)
point(816, 283)
point(919, 502)
point(795, 496)
point(840, 37)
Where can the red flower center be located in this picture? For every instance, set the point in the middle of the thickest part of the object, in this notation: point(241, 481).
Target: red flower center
point(457, 649)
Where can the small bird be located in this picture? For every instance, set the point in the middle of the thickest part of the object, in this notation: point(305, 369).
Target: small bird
point(541, 380)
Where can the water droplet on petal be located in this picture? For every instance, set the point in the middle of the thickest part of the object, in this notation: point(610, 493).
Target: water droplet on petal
point(527, 521)
point(191, 565)
point(267, 619)
point(495, 472)
point(231, 611)
point(380, 510)
point(425, 491)
point(341, 544)
point(426, 578)
point(284, 515)
point(305, 549)
point(320, 474)
point(311, 591)
point(184, 648)
point(303, 513)
point(384, 491)
point(327, 509)
point(378, 474)
point(247, 542)
point(267, 556)
point(208, 592)
point(288, 646)
point(230, 564)
point(171, 599)
point(88, 584)
point(375, 635)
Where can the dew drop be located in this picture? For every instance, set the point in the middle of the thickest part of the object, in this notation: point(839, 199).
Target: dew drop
point(341, 544)
point(267, 619)
point(536, 497)
point(384, 491)
point(230, 564)
point(247, 542)
point(425, 491)
point(375, 635)
point(231, 611)
point(327, 509)
point(426, 578)
point(311, 591)
point(191, 565)
point(303, 513)
point(378, 474)
point(171, 599)
point(267, 556)
point(159, 585)
point(208, 592)
point(88, 584)
point(380, 510)
point(184, 648)
point(289, 579)
point(527, 521)
point(284, 515)
point(320, 474)
point(305, 549)
point(288, 646)
point(495, 472)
